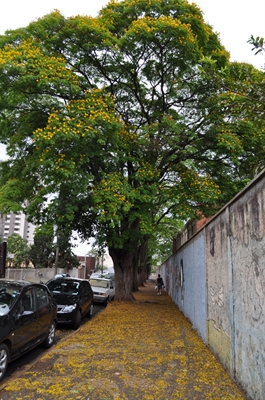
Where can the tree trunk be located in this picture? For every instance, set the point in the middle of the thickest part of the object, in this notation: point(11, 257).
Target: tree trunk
point(135, 272)
point(123, 268)
point(143, 268)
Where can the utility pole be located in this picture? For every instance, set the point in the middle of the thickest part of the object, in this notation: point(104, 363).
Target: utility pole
point(56, 258)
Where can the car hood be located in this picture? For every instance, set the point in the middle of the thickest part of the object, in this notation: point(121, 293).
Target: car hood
point(4, 309)
point(67, 299)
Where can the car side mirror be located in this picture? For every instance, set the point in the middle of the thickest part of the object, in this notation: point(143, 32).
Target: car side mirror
point(19, 311)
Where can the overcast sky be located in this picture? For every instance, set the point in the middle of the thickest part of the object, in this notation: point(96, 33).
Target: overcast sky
point(234, 20)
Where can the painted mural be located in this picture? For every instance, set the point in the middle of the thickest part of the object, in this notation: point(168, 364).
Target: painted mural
point(217, 300)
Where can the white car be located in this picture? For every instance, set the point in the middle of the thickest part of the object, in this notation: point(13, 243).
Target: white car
point(95, 275)
point(103, 290)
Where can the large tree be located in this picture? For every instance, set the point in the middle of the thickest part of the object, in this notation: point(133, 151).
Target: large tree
point(114, 123)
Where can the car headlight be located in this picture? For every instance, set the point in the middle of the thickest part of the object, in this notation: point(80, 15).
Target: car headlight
point(68, 309)
point(103, 294)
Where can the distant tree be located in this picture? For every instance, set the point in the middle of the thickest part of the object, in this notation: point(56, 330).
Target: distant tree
point(41, 252)
point(98, 251)
point(161, 246)
point(66, 258)
point(241, 118)
point(258, 44)
point(18, 248)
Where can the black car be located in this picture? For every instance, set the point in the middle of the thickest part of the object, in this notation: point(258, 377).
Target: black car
point(74, 298)
point(28, 317)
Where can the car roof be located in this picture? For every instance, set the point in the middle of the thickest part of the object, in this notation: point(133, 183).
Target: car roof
point(100, 279)
point(67, 278)
point(16, 282)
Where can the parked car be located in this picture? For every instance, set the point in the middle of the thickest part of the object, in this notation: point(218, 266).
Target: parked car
point(103, 289)
point(61, 275)
point(109, 275)
point(74, 299)
point(28, 317)
point(96, 275)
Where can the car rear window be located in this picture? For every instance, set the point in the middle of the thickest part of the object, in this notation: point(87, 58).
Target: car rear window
point(8, 294)
point(64, 287)
point(99, 283)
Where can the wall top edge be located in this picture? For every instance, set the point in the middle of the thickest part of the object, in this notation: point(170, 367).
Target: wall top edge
point(254, 181)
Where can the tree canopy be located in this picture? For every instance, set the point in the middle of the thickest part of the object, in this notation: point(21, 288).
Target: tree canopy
point(115, 123)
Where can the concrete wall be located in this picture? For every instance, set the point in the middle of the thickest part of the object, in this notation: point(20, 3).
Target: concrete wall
point(37, 275)
point(222, 291)
point(83, 271)
point(248, 273)
point(219, 289)
point(184, 277)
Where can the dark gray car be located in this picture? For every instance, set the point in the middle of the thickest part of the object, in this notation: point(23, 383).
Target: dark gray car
point(74, 298)
point(28, 317)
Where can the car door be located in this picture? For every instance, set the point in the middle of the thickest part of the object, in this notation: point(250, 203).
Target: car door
point(85, 297)
point(90, 294)
point(25, 328)
point(44, 311)
point(111, 289)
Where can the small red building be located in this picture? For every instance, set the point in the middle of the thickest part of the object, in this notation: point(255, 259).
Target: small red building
point(87, 266)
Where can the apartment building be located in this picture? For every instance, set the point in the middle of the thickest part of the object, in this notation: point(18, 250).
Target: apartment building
point(16, 223)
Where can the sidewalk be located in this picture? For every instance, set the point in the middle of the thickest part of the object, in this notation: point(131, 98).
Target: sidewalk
point(144, 351)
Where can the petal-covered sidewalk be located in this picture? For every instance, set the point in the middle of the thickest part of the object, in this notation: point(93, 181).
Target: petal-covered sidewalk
point(144, 351)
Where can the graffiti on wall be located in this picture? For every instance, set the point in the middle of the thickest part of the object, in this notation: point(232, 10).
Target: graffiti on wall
point(212, 239)
point(178, 277)
point(217, 299)
point(248, 220)
point(257, 216)
point(254, 293)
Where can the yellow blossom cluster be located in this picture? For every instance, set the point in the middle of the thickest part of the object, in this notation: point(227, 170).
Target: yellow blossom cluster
point(112, 196)
point(230, 140)
point(162, 24)
point(201, 186)
point(28, 57)
point(147, 172)
point(83, 119)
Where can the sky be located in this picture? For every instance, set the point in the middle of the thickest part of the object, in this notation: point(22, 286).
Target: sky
point(234, 20)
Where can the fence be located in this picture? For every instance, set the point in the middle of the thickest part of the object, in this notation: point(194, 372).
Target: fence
point(37, 275)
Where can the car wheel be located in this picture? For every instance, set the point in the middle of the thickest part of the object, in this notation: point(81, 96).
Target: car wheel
point(77, 322)
point(48, 342)
point(90, 312)
point(4, 355)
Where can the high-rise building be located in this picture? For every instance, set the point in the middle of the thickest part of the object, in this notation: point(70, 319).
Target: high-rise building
point(16, 223)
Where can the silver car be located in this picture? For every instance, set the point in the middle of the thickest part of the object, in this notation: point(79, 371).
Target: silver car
point(103, 289)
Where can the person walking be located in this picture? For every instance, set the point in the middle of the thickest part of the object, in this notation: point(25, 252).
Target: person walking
point(160, 284)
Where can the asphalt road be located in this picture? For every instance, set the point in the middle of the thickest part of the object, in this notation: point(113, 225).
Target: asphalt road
point(28, 358)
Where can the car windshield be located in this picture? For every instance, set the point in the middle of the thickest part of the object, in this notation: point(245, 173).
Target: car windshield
point(8, 294)
point(69, 288)
point(99, 283)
